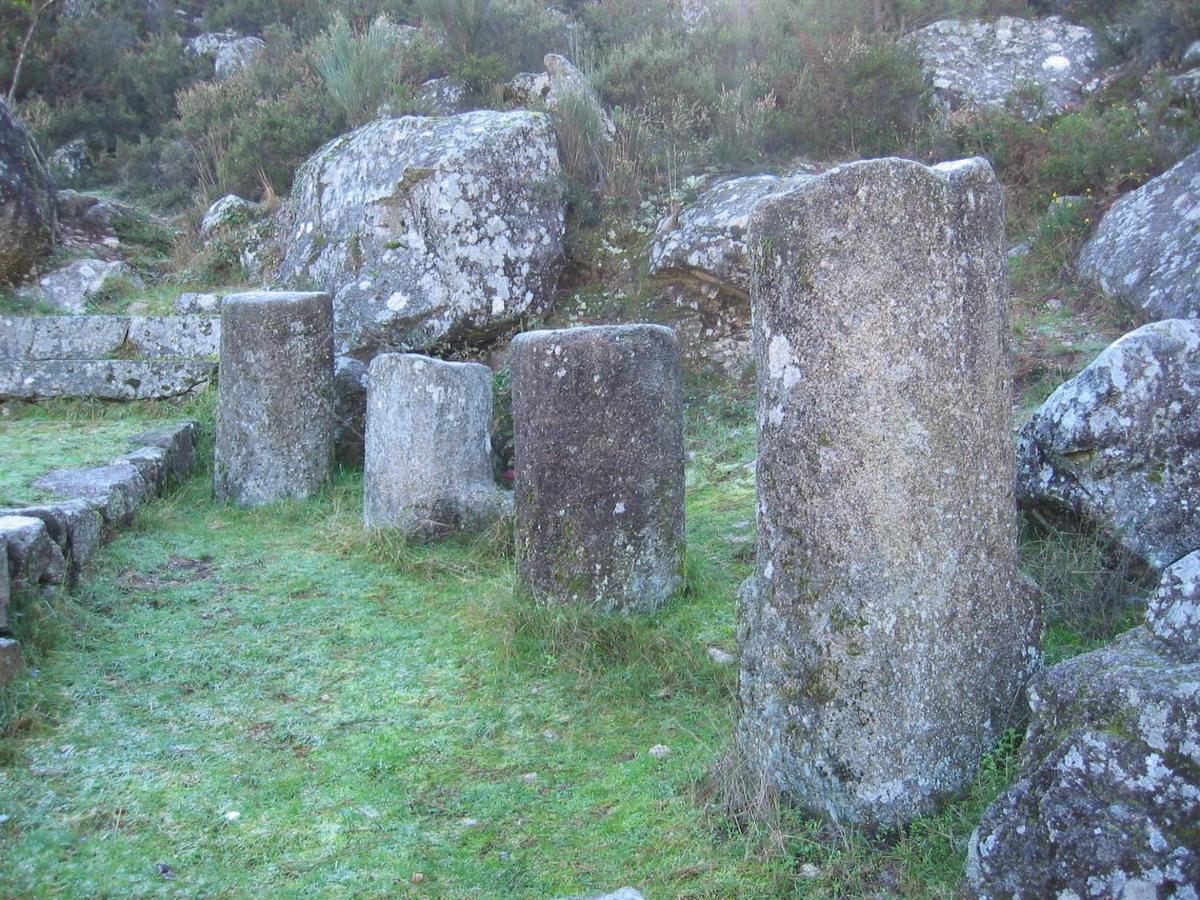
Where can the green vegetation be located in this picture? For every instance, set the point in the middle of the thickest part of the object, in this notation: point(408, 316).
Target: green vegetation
point(241, 701)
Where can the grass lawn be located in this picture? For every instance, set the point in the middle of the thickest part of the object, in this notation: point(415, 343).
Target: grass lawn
point(271, 702)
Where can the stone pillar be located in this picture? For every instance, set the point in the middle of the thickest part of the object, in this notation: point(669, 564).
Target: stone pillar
point(274, 413)
point(598, 416)
point(885, 637)
point(428, 467)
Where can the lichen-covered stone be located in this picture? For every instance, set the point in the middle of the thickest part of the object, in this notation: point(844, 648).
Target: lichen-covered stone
point(106, 379)
point(1173, 610)
point(71, 287)
point(885, 637)
point(28, 208)
point(1108, 793)
point(988, 63)
point(1118, 446)
point(72, 524)
point(174, 337)
point(446, 96)
point(179, 442)
point(598, 418)
point(275, 403)
point(230, 211)
point(429, 229)
point(707, 240)
point(115, 490)
point(428, 468)
point(1146, 250)
point(33, 557)
point(70, 161)
point(228, 51)
point(564, 89)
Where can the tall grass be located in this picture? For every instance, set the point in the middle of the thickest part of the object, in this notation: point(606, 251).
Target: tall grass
point(360, 69)
point(464, 23)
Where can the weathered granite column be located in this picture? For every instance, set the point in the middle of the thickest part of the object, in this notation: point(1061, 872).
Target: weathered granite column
point(275, 414)
point(885, 637)
point(428, 467)
point(598, 416)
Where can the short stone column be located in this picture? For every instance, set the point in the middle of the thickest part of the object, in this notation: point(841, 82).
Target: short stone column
point(598, 419)
point(275, 407)
point(428, 468)
point(885, 637)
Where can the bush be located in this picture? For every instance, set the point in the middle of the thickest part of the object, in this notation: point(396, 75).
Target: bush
point(360, 70)
point(256, 127)
point(858, 95)
point(464, 23)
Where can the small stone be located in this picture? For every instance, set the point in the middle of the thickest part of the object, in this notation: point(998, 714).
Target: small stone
point(232, 816)
point(660, 751)
point(428, 468)
point(529, 777)
point(10, 660)
point(720, 657)
point(417, 877)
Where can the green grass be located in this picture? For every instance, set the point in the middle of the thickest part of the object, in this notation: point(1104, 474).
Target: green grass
point(372, 710)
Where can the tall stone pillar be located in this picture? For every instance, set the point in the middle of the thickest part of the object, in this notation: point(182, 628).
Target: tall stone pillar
point(275, 404)
point(885, 636)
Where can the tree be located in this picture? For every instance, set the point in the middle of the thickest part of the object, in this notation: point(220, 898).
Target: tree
point(37, 11)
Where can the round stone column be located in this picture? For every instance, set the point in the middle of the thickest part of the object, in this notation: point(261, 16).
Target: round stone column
point(598, 417)
point(886, 636)
point(275, 421)
point(428, 467)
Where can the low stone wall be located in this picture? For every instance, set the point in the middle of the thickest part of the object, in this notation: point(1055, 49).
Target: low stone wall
point(107, 357)
point(46, 544)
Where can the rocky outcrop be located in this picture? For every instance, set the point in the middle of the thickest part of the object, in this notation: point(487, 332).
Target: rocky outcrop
point(70, 161)
point(429, 230)
point(1108, 794)
point(72, 287)
point(231, 210)
point(1146, 250)
point(244, 230)
point(228, 51)
point(562, 84)
point(707, 239)
point(28, 211)
point(1042, 64)
point(1118, 446)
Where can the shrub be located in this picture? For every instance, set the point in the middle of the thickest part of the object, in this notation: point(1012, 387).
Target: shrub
point(857, 95)
point(359, 70)
point(464, 23)
point(257, 126)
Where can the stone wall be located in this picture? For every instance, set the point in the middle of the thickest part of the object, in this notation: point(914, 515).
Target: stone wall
point(107, 357)
point(46, 544)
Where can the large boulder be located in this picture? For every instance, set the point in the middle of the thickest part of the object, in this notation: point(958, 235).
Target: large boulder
point(73, 286)
point(990, 63)
point(1108, 793)
point(428, 230)
point(1118, 446)
point(1146, 251)
point(27, 203)
point(707, 239)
